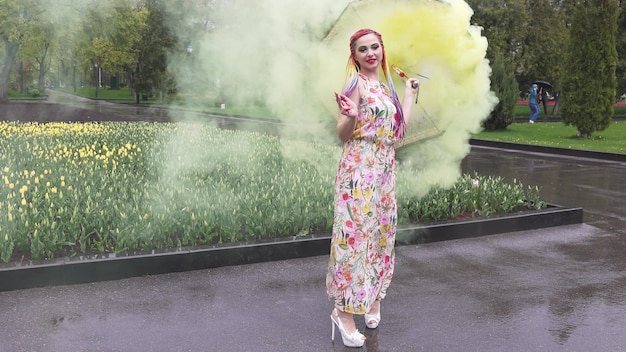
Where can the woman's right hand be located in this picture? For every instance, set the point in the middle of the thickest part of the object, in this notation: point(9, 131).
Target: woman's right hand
point(346, 106)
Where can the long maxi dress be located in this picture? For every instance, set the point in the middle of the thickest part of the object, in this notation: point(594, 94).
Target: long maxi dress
point(364, 228)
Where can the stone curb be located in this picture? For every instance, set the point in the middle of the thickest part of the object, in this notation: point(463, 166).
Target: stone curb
point(549, 150)
point(68, 272)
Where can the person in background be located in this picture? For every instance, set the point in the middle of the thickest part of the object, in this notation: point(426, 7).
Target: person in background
point(371, 119)
point(533, 103)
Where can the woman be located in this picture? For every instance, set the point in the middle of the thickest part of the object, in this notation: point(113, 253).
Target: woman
point(371, 120)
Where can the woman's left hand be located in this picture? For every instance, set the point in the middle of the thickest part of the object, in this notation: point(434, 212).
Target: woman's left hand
point(413, 85)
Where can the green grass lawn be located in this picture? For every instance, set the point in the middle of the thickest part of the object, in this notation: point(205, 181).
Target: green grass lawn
point(556, 134)
point(116, 95)
point(17, 95)
point(522, 110)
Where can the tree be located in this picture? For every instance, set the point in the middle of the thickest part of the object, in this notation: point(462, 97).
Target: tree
point(17, 19)
point(505, 25)
point(157, 41)
point(544, 47)
point(68, 16)
point(119, 49)
point(530, 35)
point(503, 83)
point(621, 53)
point(589, 77)
point(186, 25)
point(38, 46)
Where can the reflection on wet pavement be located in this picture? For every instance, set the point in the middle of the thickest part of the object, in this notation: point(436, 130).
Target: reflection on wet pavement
point(596, 186)
point(594, 290)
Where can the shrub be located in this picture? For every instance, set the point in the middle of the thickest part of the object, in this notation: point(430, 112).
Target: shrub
point(503, 83)
point(33, 91)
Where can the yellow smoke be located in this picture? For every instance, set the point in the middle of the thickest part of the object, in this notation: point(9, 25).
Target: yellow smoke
point(437, 40)
point(434, 39)
point(274, 52)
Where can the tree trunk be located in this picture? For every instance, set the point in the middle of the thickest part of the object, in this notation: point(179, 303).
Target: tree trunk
point(42, 75)
point(5, 69)
point(21, 73)
point(131, 83)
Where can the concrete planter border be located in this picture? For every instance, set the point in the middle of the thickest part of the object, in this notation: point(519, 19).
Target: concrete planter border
point(578, 153)
point(75, 271)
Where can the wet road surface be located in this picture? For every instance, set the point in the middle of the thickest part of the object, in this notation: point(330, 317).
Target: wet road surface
point(132, 112)
point(597, 186)
point(556, 289)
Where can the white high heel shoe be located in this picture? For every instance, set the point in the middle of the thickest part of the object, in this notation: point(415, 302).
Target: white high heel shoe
point(372, 320)
point(355, 339)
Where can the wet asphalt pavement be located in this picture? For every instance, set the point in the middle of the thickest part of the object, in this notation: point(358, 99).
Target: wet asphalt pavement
point(556, 289)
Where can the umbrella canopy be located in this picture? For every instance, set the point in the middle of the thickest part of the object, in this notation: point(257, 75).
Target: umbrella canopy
point(543, 84)
point(424, 38)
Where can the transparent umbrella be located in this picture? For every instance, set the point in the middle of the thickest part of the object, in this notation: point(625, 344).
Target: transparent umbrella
point(427, 39)
point(375, 14)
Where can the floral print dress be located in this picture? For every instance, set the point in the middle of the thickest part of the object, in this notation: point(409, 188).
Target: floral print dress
point(362, 249)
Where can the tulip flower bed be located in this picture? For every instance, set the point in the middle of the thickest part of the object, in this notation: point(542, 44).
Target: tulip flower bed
point(71, 189)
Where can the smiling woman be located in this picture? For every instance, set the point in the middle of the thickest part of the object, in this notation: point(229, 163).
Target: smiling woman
point(371, 120)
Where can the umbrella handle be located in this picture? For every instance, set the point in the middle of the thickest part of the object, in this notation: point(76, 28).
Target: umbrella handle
point(401, 73)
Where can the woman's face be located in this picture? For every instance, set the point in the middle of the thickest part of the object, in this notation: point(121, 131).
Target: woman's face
point(368, 52)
